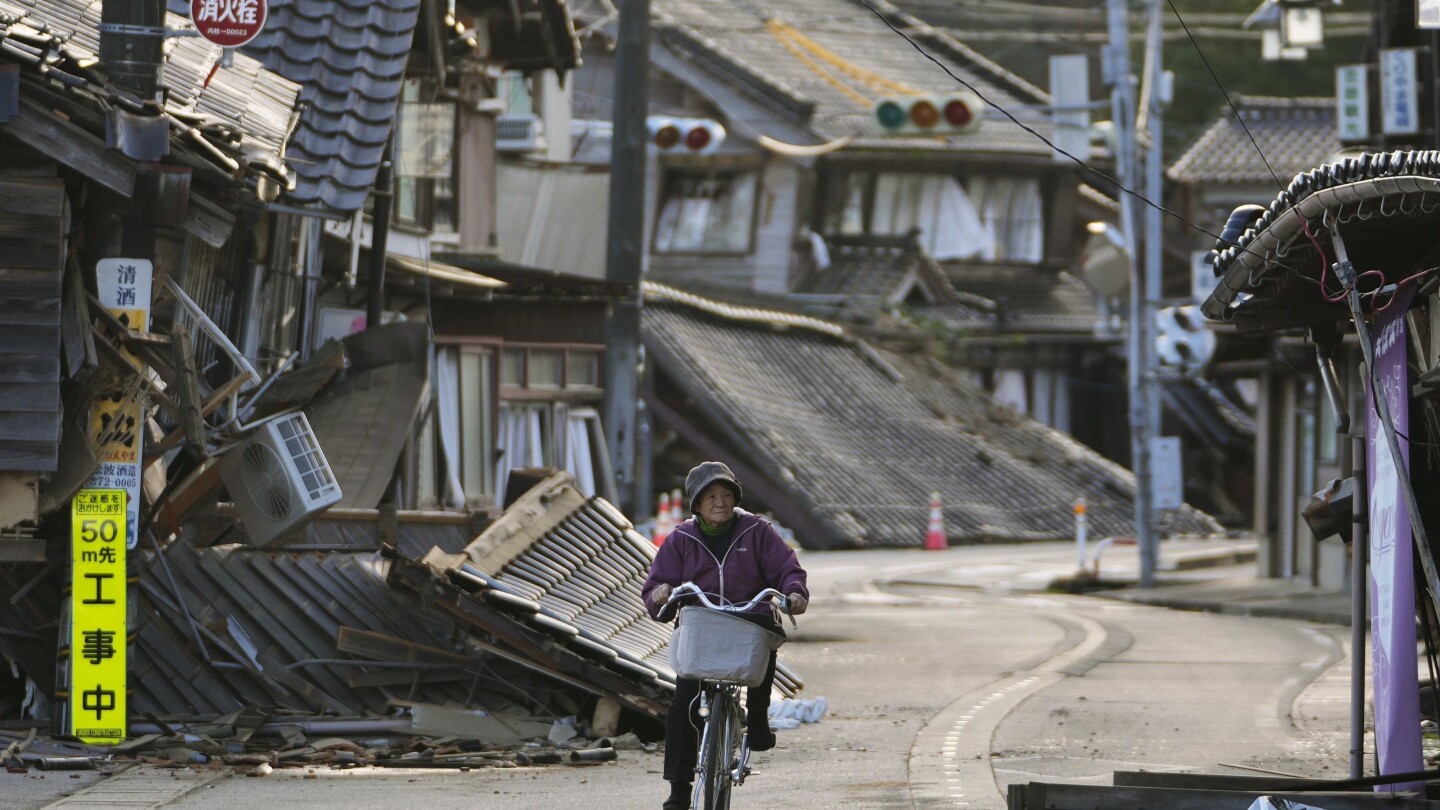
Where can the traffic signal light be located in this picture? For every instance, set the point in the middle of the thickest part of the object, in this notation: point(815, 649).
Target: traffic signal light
point(953, 114)
point(697, 136)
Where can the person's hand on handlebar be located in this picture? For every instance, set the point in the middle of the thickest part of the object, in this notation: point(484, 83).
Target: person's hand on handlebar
point(797, 603)
point(661, 593)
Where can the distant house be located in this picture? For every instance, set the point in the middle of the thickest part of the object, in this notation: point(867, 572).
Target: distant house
point(1296, 449)
point(844, 443)
point(803, 203)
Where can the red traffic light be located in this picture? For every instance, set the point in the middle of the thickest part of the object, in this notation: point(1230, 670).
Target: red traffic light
point(697, 138)
point(958, 113)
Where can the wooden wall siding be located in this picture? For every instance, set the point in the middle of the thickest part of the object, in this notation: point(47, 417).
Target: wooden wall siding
point(767, 267)
point(32, 256)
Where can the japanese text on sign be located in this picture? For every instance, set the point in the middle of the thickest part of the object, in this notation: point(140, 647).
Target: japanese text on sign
point(97, 615)
point(117, 418)
point(228, 23)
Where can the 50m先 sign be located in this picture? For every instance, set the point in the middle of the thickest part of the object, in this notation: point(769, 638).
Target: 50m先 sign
point(228, 23)
point(97, 616)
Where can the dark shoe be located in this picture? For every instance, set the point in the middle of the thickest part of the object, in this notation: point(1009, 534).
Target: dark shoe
point(762, 740)
point(679, 797)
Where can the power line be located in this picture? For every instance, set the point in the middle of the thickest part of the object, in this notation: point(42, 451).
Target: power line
point(1081, 163)
point(1226, 93)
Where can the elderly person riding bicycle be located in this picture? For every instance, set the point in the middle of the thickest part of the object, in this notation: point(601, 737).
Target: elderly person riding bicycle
point(735, 555)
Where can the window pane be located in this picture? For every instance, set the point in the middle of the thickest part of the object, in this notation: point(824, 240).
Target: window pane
point(582, 369)
point(545, 368)
point(475, 406)
point(512, 368)
point(707, 213)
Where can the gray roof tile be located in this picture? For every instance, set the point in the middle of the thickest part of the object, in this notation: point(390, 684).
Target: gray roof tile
point(860, 447)
point(1030, 300)
point(1294, 134)
point(349, 57)
point(733, 35)
point(246, 96)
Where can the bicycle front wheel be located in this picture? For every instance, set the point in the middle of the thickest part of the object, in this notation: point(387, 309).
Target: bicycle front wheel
point(717, 741)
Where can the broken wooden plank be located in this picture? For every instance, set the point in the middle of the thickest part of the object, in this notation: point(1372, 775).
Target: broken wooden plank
point(471, 724)
point(376, 646)
point(192, 421)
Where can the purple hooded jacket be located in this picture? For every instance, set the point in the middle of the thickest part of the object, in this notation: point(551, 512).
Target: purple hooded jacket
point(757, 559)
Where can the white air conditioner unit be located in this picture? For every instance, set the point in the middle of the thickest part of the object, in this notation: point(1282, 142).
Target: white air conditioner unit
point(278, 478)
point(517, 133)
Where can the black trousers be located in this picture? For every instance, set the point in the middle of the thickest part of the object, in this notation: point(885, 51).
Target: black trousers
point(683, 724)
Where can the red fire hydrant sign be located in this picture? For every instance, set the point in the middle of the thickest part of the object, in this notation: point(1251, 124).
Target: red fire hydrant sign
point(228, 23)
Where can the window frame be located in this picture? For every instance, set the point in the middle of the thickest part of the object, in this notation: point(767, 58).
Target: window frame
point(671, 174)
point(426, 193)
point(830, 205)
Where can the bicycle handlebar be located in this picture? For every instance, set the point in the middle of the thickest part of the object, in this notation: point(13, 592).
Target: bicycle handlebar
point(691, 589)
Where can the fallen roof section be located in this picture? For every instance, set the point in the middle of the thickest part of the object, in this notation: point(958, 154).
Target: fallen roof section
point(845, 443)
point(536, 619)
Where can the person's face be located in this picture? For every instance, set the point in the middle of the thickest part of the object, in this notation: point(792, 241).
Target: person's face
point(717, 504)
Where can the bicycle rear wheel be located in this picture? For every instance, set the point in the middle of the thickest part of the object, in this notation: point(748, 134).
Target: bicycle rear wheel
point(717, 744)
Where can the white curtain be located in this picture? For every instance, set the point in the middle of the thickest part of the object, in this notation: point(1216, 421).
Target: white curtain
point(1012, 212)
point(950, 226)
point(708, 215)
point(577, 453)
point(1010, 389)
point(447, 408)
point(520, 443)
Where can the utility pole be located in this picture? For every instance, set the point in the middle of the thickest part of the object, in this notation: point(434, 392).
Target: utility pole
point(1122, 103)
point(1155, 98)
point(625, 244)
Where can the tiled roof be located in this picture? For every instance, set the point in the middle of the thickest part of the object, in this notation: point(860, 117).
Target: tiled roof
point(875, 270)
point(1294, 134)
point(868, 272)
point(1025, 300)
point(859, 439)
point(732, 38)
point(245, 99)
point(349, 57)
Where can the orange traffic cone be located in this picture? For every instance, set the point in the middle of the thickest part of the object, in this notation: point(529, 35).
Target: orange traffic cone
point(663, 526)
point(677, 510)
point(935, 537)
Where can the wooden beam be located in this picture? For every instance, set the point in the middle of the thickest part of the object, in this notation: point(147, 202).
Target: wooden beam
point(30, 368)
point(128, 366)
point(22, 549)
point(192, 421)
point(382, 647)
point(69, 145)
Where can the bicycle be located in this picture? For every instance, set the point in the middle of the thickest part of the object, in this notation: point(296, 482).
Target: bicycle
point(724, 654)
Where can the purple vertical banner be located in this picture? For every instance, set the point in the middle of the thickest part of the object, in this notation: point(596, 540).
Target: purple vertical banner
point(1392, 556)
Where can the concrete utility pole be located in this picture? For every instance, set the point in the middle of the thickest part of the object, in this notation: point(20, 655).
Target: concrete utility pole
point(1118, 77)
point(625, 245)
point(1154, 258)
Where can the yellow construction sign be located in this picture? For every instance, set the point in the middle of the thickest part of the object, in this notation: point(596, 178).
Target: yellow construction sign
point(97, 616)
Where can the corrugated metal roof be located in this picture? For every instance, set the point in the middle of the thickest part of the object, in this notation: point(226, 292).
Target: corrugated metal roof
point(1293, 134)
point(861, 444)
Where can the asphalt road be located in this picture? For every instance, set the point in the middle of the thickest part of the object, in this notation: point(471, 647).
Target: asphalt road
point(948, 677)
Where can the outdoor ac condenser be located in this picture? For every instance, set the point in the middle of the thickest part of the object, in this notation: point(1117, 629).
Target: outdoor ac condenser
point(517, 133)
point(278, 478)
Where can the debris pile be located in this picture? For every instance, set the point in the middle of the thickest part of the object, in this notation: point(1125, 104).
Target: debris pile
point(529, 645)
